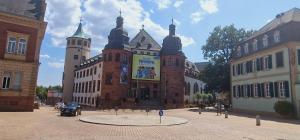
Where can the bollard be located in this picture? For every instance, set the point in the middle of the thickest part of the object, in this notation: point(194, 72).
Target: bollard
point(199, 110)
point(257, 120)
point(226, 114)
point(116, 109)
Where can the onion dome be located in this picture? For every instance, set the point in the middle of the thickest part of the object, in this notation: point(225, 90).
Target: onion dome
point(171, 43)
point(118, 37)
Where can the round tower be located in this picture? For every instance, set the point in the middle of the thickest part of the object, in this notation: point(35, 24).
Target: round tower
point(77, 51)
point(172, 70)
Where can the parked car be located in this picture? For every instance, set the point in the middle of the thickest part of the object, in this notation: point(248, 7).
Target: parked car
point(59, 105)
point(72, 108)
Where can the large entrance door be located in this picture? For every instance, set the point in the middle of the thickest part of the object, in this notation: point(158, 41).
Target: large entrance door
point(145, 93)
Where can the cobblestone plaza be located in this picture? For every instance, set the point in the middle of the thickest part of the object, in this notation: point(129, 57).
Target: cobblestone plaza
point(45, 123)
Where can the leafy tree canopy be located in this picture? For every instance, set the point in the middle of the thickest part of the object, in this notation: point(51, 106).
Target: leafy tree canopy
point(219, 50)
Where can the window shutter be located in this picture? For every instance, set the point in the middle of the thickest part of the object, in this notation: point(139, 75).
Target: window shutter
point(276, 89)
point(252, 95)
point(248, 90)
point(257, 64)
point(233, 91)
point(271, 89)
point(298, 55)
point(287, 89)
point(258, 90)
point(242, 90)
point(239, 91)
point(262, 90)
point(270, 62)
point(233, 70)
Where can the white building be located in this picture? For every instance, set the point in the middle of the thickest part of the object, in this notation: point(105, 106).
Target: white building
point(266, 68)
point(192, 83)
point(87, 81)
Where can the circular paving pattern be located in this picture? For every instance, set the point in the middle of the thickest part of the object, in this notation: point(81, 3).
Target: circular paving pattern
point(133, 120)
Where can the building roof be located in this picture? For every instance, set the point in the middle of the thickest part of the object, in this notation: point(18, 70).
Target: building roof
point(191, 65)
point(280, 19)
point(34, 9)
point(80, 33)
point(91, 61)
point(144, 41)
point(201, 65)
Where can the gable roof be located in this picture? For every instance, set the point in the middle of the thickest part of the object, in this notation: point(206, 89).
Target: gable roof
point(142, 41)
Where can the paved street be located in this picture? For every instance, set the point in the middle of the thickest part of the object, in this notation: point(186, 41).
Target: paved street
point(45, 123)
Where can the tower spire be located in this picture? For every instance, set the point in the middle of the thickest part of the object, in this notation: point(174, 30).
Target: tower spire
point(172, 28)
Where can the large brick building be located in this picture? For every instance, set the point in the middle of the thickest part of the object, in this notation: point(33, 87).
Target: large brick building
point(266, 68)
point(22, 29)
point(129, 72)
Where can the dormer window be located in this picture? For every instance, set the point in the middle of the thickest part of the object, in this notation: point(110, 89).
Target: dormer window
point(265, 41)
point(239, 51)
point(246, 48)
point(254, 45)
point(277, 36)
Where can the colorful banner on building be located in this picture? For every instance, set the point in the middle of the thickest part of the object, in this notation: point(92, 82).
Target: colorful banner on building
point(124, 73)
point(146, 67)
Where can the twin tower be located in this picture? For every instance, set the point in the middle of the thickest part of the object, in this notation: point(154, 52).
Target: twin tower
point(118, 53)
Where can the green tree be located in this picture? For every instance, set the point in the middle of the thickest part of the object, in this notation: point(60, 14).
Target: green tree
point(219, 50)
point(41, 92)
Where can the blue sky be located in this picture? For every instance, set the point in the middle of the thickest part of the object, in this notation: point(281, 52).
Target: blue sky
point(195, 19)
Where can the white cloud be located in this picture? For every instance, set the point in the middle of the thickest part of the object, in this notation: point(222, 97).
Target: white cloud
point(162, 4)
point(99, 18)
point(57, 65)
point(206, 7)
point(209, 6)
point(62, 20)
point(197, 16)
point(46, 56)
point(178, 3)
point(177, 22)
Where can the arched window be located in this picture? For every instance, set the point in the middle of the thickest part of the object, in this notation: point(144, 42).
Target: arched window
point(187, 88)
point(117, 59)
point(196, 88)
point(109, 57)
point(246, 48)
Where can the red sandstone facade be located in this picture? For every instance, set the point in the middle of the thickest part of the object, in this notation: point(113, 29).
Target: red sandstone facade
point(20, 39)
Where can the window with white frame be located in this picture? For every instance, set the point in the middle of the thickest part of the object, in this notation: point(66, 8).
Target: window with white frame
point(267, 89)
point(281, 89)
point(11, 45)
point(244, 68)
point(254, 45)
point(22, 46)
point(254, 65)
point(255, 90)
point(266, 63)
point(277, 36)
point(246, 48)
point(237, 91)
point(245, 91)
point(6, 80)
point(265, 41)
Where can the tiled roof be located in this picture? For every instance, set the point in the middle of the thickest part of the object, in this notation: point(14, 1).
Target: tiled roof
point(280, 19)
point(142, 41)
